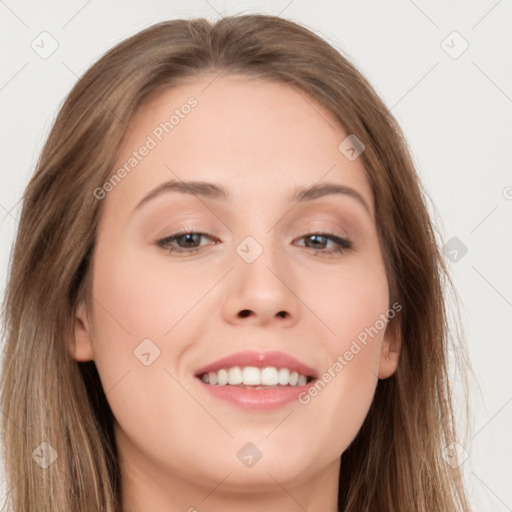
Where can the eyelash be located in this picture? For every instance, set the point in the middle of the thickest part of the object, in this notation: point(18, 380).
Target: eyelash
point(344, 244)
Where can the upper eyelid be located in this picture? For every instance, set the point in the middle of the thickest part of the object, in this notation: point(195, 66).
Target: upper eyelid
point(184, 231)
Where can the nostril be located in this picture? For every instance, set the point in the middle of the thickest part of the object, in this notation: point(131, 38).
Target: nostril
point(246, 312)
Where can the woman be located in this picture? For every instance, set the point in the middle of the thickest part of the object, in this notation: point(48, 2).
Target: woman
point(297, 359)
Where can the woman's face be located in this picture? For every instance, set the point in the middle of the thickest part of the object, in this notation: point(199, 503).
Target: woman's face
point(226, 157)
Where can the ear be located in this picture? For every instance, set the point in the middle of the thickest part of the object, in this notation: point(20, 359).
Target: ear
point(390, 352)
point(82, 349)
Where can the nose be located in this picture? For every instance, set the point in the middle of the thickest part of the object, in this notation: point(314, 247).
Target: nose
point(262, 292)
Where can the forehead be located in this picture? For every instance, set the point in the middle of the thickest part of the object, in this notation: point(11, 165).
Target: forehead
point(258, 138)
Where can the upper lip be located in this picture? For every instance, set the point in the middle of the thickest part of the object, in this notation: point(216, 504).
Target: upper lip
point(259, 360)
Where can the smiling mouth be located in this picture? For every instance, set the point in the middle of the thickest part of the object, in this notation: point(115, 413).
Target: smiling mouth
point(252, 377)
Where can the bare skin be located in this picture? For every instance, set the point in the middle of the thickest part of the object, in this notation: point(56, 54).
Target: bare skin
point(177, 443)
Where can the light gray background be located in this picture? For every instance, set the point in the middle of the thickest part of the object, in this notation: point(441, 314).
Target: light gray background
point(455, 111)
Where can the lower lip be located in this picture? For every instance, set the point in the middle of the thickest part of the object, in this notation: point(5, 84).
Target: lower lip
point(257, 399)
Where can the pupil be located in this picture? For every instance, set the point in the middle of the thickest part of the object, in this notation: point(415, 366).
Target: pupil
point(315, 238)
point(189, 238)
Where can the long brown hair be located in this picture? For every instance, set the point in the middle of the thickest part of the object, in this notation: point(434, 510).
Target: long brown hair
point(396, 461)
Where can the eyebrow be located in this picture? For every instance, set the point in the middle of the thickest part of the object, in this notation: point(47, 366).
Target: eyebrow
point(216, 191)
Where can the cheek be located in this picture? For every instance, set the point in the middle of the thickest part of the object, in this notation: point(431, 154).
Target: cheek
point(135, 304)
point(351, 302)
point(148, 300)
point(145, 313)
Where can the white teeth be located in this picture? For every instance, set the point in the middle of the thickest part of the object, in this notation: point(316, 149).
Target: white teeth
point(283, 376)
point(253, 376)
point(234, 376)
point(222, 377)
point(269, 376)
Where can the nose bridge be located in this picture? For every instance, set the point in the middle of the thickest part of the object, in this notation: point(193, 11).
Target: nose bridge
point(256, 258)
point(261, 281)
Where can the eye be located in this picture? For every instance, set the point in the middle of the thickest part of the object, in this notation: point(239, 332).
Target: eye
point(319, 241)
point(187, 241)
point(183, 241)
